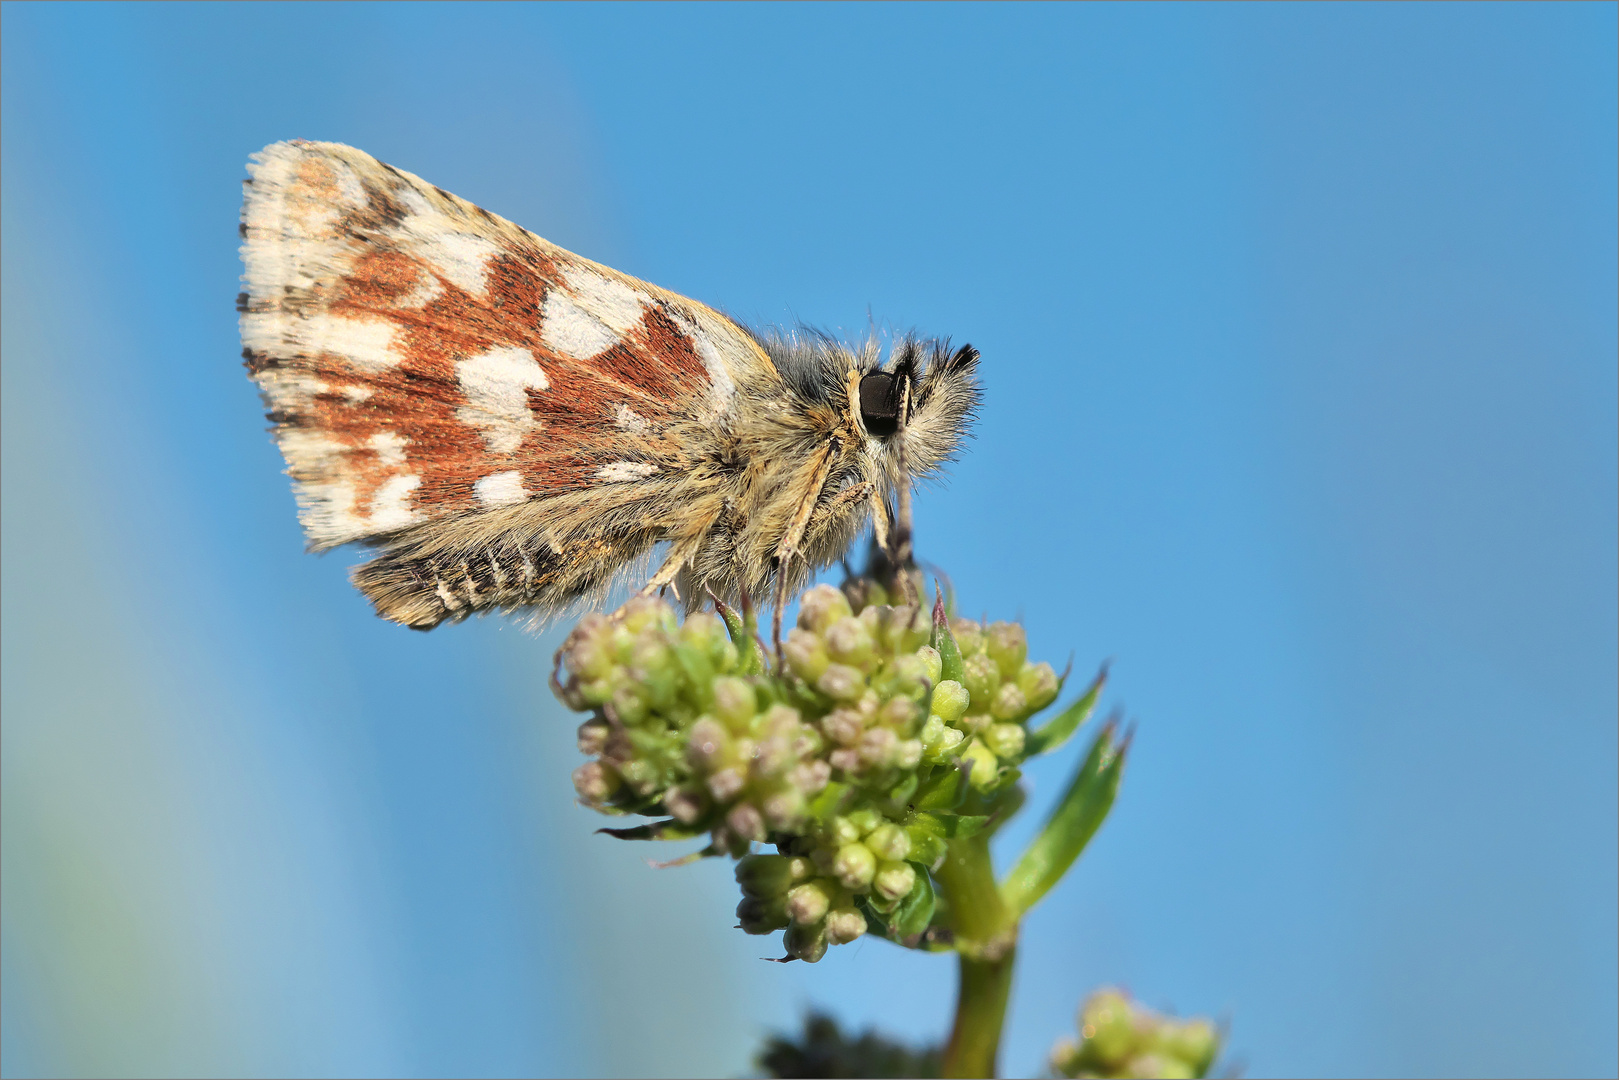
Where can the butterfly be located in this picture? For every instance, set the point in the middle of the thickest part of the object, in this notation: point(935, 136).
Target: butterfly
point(511, 426)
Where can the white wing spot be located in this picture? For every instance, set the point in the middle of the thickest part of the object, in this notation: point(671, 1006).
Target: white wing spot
point(390, 506)
point(390, 447)
point(501, 489)
point(367, 344)
point(460, 257)
point(597, 314)
point(630, 420)
point(357, 394)
point(496, 384)
point(619, 471)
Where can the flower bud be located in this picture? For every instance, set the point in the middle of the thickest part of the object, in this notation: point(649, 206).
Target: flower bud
point(1039, 684)
point(844, 924)
point(746, 822)
point(759, 915)
point(1008, 645)
point(939, 742)
point(630, 704)
point(981, 678)
point(685, 804)
point(597, 691)
point(841, 830)
point(593, 736)
point(1107, 1024)
point(949, 701)
point(1008, 703)
point(783, 808)
point(846, 758)
point(588, 650)
point(806, 943)
point(810, 777)
point(843, 726)
point(854, 866)
point(841, 682)
point(888, 841)
point(640, 776)
point(765, 875)
point(726, 784)
point(1157, 1065)
point(908, 678)
point(808, 903)
point(969, 636)
point(877, 747)
point(1194, 1043)
point(849, 641)
point(806, 654)
point(1005, 740)
point(595, 782)
point(893, 879)
point(985, 767)
point(907, 754)
point(820, 607)
point(734, 702)
point(864, 821)
point(705, 632)
point(931, 662)
point(707, 745)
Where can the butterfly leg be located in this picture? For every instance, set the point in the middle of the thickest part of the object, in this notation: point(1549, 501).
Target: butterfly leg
point(789, 545)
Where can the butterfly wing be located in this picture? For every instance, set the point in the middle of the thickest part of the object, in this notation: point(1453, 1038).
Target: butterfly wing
point(424, 359)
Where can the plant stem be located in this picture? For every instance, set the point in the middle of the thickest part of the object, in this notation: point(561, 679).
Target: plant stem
point(986, 937)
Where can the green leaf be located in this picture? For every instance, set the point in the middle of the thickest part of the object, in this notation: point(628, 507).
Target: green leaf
point(829, 801)
point(1077, 817)
point(950, 826)
point(944, 790)
point(945, 642)
point(915, 912)
point(668, 829)
point(1059, 728)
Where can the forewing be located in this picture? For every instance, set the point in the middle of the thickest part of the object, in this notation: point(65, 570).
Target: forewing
point(422, 357)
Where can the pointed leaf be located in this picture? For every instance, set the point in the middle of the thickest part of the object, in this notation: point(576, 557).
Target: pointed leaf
point(944, 790)
point(668, 829)
point(750, 660)
point(945, 642)
point(1059, 728)
point(1072, 824)
point(915, 912)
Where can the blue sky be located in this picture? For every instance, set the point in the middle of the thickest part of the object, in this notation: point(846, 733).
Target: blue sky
point(1299, 350)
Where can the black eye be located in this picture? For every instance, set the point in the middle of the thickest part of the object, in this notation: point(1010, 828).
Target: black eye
point(879, 403)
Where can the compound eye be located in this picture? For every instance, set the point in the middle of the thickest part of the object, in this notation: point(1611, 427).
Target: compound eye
point(879, 403)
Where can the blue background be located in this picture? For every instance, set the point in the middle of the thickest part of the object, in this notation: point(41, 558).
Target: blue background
point(1299, 359)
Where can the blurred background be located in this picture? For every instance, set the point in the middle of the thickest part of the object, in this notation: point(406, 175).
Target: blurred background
point(1299, 350)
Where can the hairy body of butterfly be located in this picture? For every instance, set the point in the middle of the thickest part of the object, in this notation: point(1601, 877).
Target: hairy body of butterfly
point(512, 426)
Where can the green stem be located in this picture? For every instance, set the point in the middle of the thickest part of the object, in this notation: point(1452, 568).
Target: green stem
point(986, 936)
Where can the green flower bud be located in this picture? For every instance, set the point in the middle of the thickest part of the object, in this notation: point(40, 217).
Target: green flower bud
point(907, 754)
point(759, 915)
point(727, 784)
point(630, 704)
point(822, 606)
point(878, 748)
point(640, 612)
point(806, 943)
point(854, 866)
point(1107, 1025)
point(1194, 1043)
point(850, 641)
point(1005, 740)
point(949, 701)
point(893, 879)
point(939, 743)
point(969, 636)
point(1159, 1066)
point(734, 702)
point(907, 677)
point(1008, 645)
point(865, 820)
point(1065, 1059)
point(1008, 703)
point(640, 776)
point(1039, 684)
point(685, 804)
point(705, 632)
point(806, 654)
point(595, 782)
point(889, 842)
point(901, 714)
point(708, 745)
point(588, 650)
point(840, 831)
point(597, 691)
point(810, 777)
point(746, 822)
point(844, 924)
point(981, 677)
point(593, 736)
point(808, 903)
point(765, 875)
point(985, 766)
point(917, 629)
point(843, 726)
point(783, 808)
point(841, 682)
point(932, 662)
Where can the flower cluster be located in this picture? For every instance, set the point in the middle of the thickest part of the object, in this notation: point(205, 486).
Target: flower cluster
point(881, 736)
point(1121, 1038)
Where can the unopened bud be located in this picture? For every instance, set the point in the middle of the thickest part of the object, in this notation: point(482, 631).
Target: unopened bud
point(949, 701)
point(984, 765)
point(893, 879)
point(1194, 1043)
point(843, 726)
point(981, 678)
point(865, 820)
point(806, 943)
point(877, 747)
point(808, 903)
point(1008, 703)
point(685, 804)
point(734, 702)
point(1039, 684)
point(844, 924)
point(765, 875)
point(907, 754)
point(841, 830)
point(759, 915)
point(908, 678)
point(841, 682)
point(806, 654)
point(783, 809)
point(1008, 645)
point(810, 777)
point(746, 822)
point(593, 736)
point(630, 704)
point(821, 606)
point(931, 662)
point(939, 742)
point(1005, 740)
point(888, 841)
point(854, 866)
point(726, 784)
point(707, 744)
point(595, 782)
point(849, 641)
point(705, 631)
point(1107, 1025)
point(969, 636)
